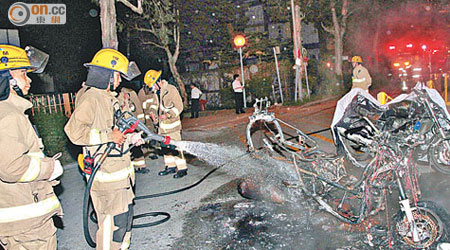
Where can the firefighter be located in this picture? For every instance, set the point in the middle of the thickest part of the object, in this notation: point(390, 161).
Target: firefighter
point(149, 102)
point(361, 77)
point(129, 101)
point(167, 115)
point(91, 126)
point(27, 176)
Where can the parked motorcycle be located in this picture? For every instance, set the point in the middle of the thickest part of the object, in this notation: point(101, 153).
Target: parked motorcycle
point(420, 118)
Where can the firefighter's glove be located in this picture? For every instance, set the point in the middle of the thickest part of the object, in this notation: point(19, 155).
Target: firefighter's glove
point(136, 139)
point(57, 167)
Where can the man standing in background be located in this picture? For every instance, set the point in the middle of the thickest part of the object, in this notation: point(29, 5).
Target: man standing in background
point(238, 95)
point(195, 100)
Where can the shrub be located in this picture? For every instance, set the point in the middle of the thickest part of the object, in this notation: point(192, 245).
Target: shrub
point(227, 97)
point(51, 130)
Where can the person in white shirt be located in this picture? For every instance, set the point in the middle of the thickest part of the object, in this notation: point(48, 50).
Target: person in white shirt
point(238, 96)
point(195, 97)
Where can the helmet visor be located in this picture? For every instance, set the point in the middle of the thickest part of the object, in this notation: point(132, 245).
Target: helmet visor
point(133, 71)
point(38, 59)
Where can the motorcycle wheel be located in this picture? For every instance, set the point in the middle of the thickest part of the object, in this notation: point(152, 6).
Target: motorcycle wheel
point(430, 226)
point(357, 151)
point(439, 153)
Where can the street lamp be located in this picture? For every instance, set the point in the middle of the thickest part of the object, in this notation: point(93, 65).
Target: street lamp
point(239, 42)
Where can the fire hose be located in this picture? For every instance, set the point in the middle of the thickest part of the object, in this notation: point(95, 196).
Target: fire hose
point(127, 123)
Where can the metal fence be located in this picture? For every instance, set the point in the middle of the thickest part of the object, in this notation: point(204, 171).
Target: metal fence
point(53, 103)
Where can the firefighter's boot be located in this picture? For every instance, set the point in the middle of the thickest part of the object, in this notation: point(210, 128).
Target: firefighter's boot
point(180, 174)
point(168, 171)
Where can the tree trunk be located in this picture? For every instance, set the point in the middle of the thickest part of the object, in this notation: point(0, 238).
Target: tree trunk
point(296, 37)
point(299, 66)
point(173, 69)
point(338, 45)
point(108, 24)
point(375, 44)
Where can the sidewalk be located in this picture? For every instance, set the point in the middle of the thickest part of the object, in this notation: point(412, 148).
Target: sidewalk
point(228, 117)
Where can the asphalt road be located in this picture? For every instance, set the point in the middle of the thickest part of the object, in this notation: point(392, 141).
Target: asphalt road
point(308, 119)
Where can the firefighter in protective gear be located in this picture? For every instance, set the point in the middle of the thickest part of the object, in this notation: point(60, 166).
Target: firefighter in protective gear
point(27, 176)
point(167, 116)
point(129, 101)
point(361, 77)
point(148, 100)
point(92, 126)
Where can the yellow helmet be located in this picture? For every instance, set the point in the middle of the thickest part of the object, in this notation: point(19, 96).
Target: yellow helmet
point(151, 77)
point(110, 59)
point(12, 57)
point(357, 59)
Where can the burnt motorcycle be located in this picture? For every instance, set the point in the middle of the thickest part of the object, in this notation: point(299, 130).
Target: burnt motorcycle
point(420, 115)
point(351, 199)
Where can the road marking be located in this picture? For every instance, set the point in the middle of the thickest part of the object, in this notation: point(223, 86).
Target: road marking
point(323, 138)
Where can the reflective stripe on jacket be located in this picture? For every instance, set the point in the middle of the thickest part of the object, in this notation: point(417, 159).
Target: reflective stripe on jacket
point(29, 211)
point(149, 102)
point(171, 104)
point(119, 175)
point(129, 101)
point(24, 172)
point(91, 125)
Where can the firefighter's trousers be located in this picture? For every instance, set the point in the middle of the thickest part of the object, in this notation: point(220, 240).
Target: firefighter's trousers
point(40, 238)
point(173, 158)
point(114, 209)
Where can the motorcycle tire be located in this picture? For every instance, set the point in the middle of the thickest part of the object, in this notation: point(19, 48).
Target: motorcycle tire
point(429, 220)
point(439, 156)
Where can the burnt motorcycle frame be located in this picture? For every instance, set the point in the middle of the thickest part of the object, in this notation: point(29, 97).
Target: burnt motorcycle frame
point(321, 176)
point(422, 118)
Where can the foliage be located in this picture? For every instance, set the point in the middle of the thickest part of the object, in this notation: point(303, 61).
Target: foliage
point(51, 130)
point(227, 97)
point(259, 87)
point(207, 28)
point(159, 27)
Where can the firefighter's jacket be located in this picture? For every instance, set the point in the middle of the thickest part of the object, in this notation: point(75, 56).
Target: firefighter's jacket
point(361, 78)
point(129, 101)
point(149, 102)
point(80, 92)
point(27, 199)
point(171, 104)
point(90, 126)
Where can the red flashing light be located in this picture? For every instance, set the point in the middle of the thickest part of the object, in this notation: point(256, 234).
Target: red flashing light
point(392, 47)
point(424, 47)
point(409, 45)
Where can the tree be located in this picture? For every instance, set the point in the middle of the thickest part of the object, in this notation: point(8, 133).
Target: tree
point(207, 28)
point(300, 11)
point(109, 22)
point(159, 27)
point(337, 29)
